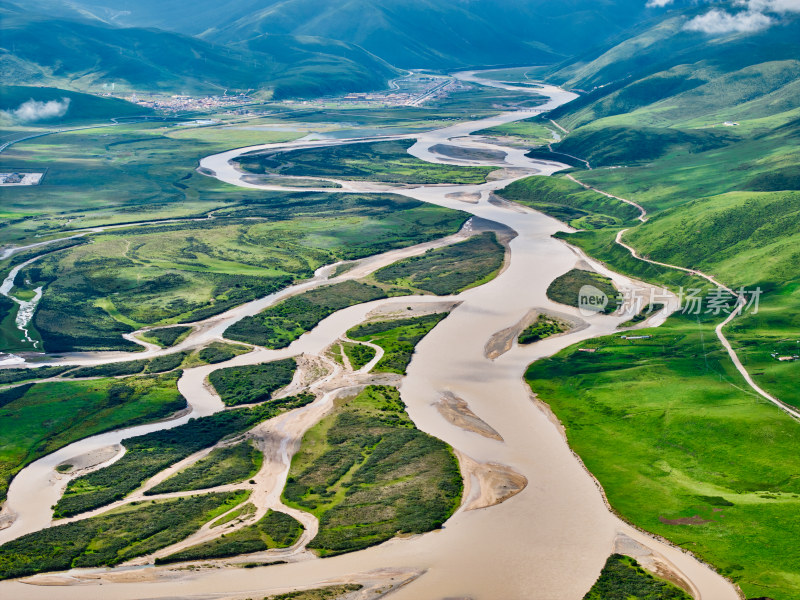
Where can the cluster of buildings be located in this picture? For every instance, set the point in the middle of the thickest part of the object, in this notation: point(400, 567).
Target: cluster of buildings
point(179, 103)
point(20, 178)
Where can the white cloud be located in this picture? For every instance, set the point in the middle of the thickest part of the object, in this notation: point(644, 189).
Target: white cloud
point(774, 6)
point(658, 3)
point(32, 110)
point(718, 21)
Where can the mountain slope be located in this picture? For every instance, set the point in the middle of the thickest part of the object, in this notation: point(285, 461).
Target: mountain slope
point(86, 55)
point(667, 91)
point(406, 33)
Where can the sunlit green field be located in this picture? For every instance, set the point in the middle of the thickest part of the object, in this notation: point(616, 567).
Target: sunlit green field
point(684, 449)
point(38, 419)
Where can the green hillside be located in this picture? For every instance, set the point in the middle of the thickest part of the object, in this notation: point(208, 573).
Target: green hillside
point(81, 108)
point(702, 130)
point(88, 55)
point(409, 34)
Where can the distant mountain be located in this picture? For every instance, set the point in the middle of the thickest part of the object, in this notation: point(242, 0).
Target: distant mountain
point(88, 54)
point(405, 33)
point(666, 87)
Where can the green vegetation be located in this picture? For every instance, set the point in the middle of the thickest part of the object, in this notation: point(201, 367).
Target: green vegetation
point(398, 338)
point(541, 328)
point(624, 145)
point(122, 534)
point(149, 454)
point(159, 364)
point(85, 55)
point(569, 202)
point(324, 593)
point(243, 511)
point(371, 161)
point(37, 419)
point(643, 313)
point(16, 375)
point(229, 464)
point(530, 132)
point(274, 530)
point(441, 271)
point(279, 325)
point(252, 383)
point(82, 108)
point(160, 274)
point(742, 237)
point(448, 270)
point(566, 288)
point(654, 421)
point(167, 337)
point(168, 362)
point(113, 369)
point(623, 579)
point(359, 355)
point(217, 352)
point(369, 474)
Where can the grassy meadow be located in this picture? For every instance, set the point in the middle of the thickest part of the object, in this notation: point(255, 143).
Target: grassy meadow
point(223, 466)
point(368, 474)
point(122, 534)
point(250, 384)
point(273, 530)
point(39, 418)
point(683, 448)
point(398, 338)
point(151, 453)
point(370, 161)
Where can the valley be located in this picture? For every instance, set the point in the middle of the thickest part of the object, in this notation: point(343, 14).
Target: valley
point(532, 335)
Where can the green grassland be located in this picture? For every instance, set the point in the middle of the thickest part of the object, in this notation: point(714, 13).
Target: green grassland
point(681, 445)
point(217, 352)
point(448, 270)
point(569, 202)
point(566, 288)
point(115, 174)
point(441, 271)
point(149, 454)
point(17, 375)
point(167, 337)
point(369, 474)
point(398, 338)
point(280, 325)
point(372, 161)
point(358, 354)
point(252, 383)
point(37, 419)
point(229, 464)
point(531, 132)
point(742, 237)
point(243, 510)
point(622, 578)
point(541, 328)
point(119, 535)
point(274, 530)
point(683, 448)
point(189, 271)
